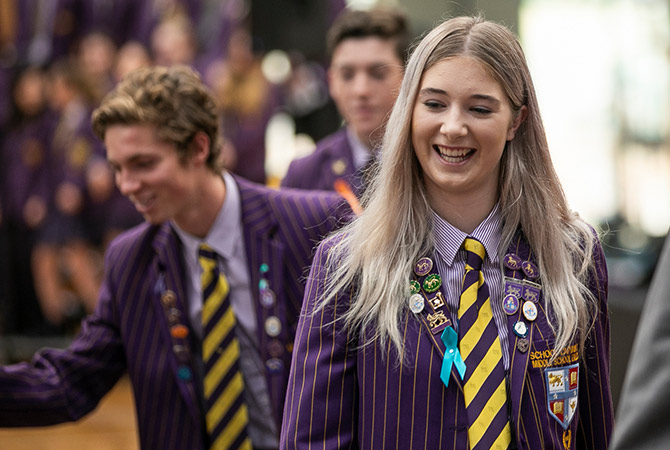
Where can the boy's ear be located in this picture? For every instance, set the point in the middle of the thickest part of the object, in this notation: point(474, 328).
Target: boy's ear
point(200, 147)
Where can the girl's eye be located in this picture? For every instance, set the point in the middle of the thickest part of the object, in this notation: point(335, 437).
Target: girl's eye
point(481, 110)
point(432, 104)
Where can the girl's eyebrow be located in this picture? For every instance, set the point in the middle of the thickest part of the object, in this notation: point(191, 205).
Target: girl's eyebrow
point(434, 91)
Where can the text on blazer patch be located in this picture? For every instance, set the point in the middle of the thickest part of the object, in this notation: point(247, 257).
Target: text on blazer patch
point(541, 358)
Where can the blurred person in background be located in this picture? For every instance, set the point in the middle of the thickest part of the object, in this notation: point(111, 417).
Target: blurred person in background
point(173, 41)
point(199, 304)
point(247, 101)
point(25, 159)
point(367, 51)
point(95, 55)
point(132, 55)
point(66, 274)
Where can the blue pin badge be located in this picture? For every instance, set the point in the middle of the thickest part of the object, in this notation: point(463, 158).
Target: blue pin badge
point(451, 356)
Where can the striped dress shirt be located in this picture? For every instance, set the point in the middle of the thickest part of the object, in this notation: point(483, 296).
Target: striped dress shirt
point(450, 262)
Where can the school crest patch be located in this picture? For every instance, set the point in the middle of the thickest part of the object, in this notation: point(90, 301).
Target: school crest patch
point(562, 389)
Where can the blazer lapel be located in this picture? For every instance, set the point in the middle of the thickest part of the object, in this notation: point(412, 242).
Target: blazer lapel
point(265, 256)
point(170, 293)
point(341, 164)
point(433, 332)
point(519, 348)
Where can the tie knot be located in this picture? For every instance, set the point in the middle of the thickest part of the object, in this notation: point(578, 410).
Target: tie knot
point(475, 253)
point(205, 251)
point(206, 256)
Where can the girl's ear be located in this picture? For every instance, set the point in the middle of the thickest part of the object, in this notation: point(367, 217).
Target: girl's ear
point(516, 123)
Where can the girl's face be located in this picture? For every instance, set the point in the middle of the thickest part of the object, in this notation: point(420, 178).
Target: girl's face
point(460, 124)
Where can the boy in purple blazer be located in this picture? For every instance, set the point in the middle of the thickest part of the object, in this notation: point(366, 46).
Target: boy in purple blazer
point(209, 238)
point(367, 51)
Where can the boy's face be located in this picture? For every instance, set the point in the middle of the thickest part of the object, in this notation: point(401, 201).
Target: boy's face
point(365, 76)
point(149, 172)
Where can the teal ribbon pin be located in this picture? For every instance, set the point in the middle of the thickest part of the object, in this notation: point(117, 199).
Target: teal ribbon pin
point(451, 355)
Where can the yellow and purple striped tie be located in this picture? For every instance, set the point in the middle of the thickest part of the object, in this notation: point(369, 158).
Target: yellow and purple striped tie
point(484, 387)
point(226, 413)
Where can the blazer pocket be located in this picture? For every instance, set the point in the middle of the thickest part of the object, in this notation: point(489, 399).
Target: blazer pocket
point(555, 385)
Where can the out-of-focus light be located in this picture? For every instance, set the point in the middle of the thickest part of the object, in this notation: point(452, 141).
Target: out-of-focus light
point(361, 4)
point(282, 145)
point(276, 66)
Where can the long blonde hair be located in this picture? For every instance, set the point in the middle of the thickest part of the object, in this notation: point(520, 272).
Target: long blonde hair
point(375, 253)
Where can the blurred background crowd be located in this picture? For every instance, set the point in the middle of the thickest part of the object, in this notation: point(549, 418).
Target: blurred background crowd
point(601, 69)
point(59, 206)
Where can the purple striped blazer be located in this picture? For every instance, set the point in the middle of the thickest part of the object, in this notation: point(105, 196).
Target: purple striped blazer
point(130, 330)
point(344, 394)
point(332, 159)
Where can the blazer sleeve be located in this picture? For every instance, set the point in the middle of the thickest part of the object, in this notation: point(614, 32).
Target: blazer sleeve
point(61, 385)
point(321, 399)
point(642, 422)
point(596, 415)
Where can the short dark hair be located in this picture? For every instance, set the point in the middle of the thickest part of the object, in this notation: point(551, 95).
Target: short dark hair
point(382, 22)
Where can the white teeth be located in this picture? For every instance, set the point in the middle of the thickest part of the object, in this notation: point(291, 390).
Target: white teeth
point(453, 154)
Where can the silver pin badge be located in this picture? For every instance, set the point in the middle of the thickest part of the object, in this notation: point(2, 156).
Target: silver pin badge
point(416, 303)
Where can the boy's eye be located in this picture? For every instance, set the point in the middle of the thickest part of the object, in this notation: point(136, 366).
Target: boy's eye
point(346, 75)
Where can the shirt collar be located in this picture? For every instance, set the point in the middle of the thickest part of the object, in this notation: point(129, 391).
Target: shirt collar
point(359, 151)
point(225, 234)
point(448, 239)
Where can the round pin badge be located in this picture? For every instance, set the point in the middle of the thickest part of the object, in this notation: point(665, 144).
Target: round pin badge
point(416, 303)
point(173, 316)
point(273, 326)
point(264, 268)
point(423, 266)
point(263, 284)
point(184, 373)
point(529, 311)
point(268, 298)
point(274, 365)
point(414, 287)
point(432, 283)
point(521, 329)
point(179, 331)
point(275, 349)
point(530, 270)
point(168, 299)
point(510, 304)
point(512, 261)
point(182, 352)
point(338, 167)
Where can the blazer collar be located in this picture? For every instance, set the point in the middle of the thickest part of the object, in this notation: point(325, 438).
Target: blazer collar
point(169, 293)
point(265, 256)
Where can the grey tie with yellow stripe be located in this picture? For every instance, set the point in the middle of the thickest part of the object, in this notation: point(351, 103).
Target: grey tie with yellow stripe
point(484, 387)
point(226, 413)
